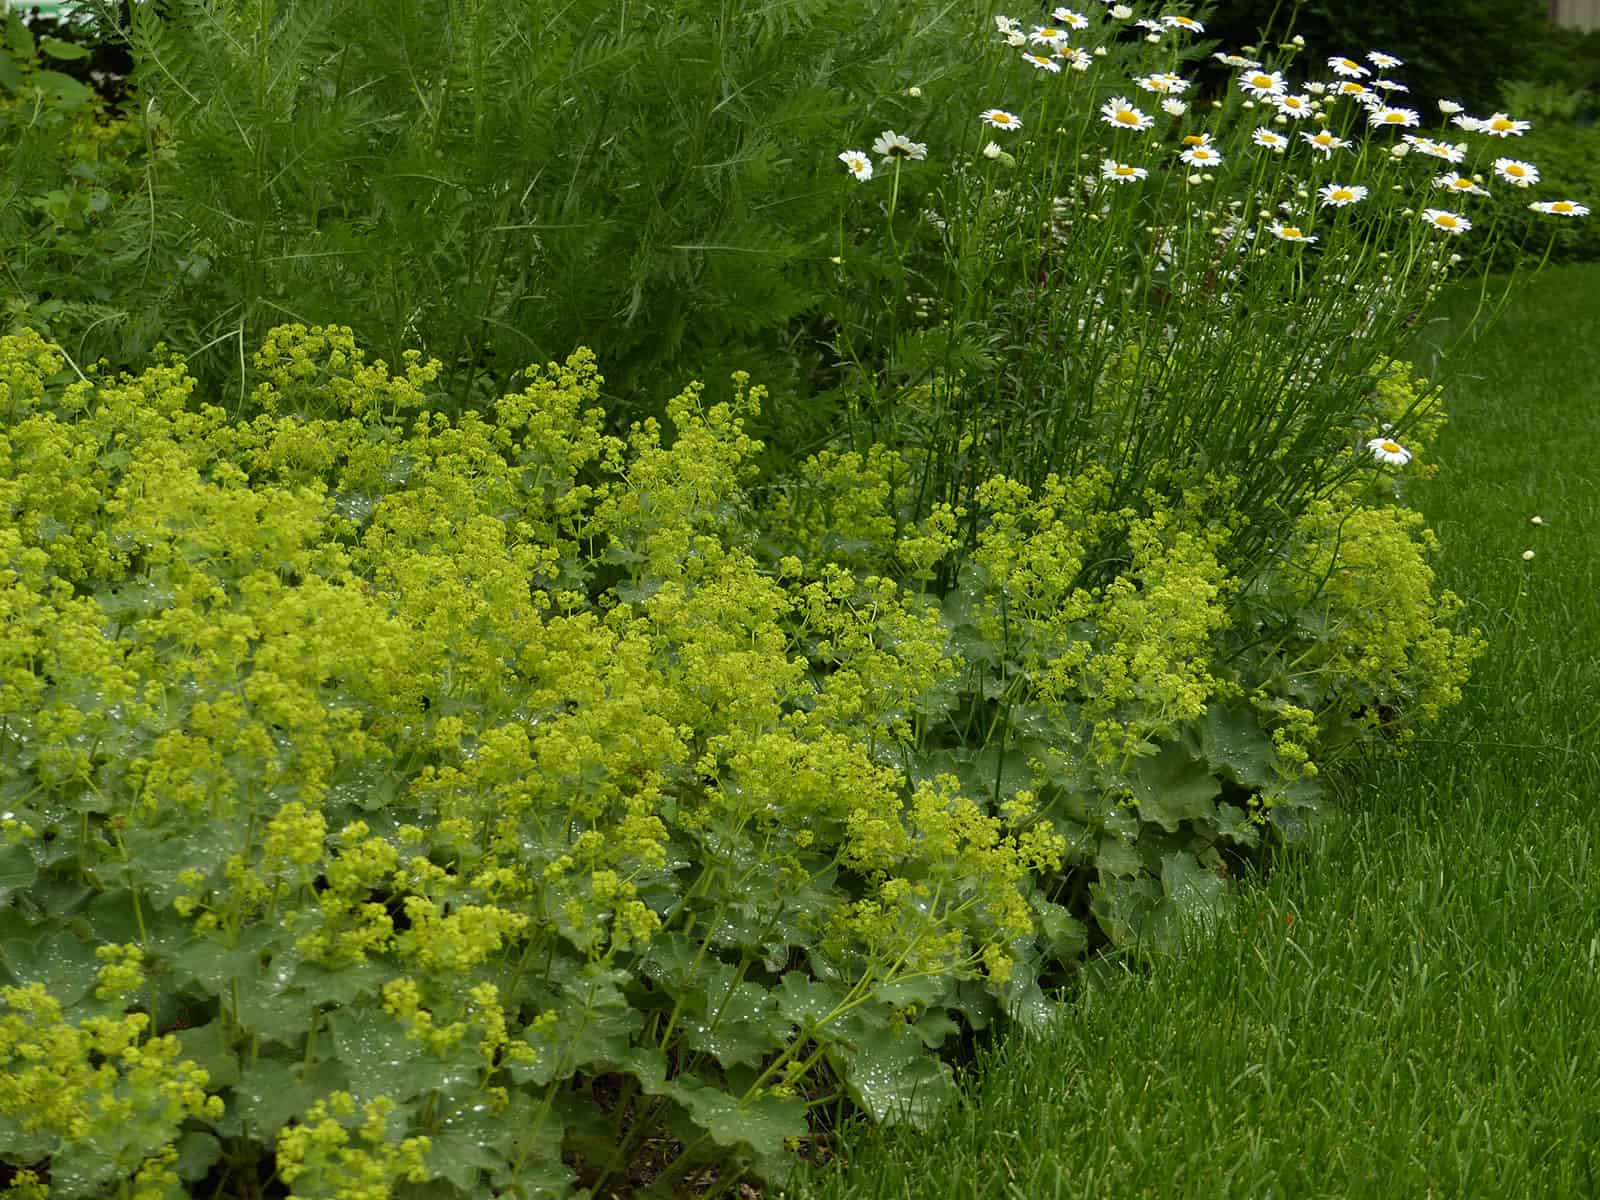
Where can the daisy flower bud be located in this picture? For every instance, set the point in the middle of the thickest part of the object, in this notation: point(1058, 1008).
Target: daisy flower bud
point(1527, 556)
point(1536, 520)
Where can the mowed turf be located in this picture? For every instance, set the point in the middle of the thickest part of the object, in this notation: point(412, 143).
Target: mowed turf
point(1410, 1007)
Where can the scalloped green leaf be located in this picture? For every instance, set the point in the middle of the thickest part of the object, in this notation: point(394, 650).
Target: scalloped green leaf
point(1172, 787)
point(889, 1072)
point(735, 1022)
point(1233, 743)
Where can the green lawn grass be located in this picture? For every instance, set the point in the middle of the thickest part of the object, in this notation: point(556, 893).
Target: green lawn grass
point(1412, 1006)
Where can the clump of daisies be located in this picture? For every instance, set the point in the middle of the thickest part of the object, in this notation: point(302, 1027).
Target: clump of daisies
point(1255, 252)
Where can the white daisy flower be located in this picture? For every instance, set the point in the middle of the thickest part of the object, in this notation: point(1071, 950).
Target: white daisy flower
point(999, 118)
point(1120, 114)
point(1317, 88)
point(857, 163)
point(1449, 107)
point(1470, 124)
point(1500, 125)
point(1236, 60)
point(1120, 12)
point(1072, 20)
point(1444, 150)
point(1047, 35)
point(1188, 23)
point(1164, 82)
point(1042, 63)
point(1008, 25)
point(1404, 117)
point(1386, 61)
point(1078, 60)
point(1325, 141)
point(1290, 233)
point(1351, 88)
point(1111, 169)
point(1174, 108)
point(890, 145)
point(1515, 171)
point(1454, 182)
point(1560, 208)
point(1349, 68)
point(1387, 450)
point(1389, 85)
point(1271, 140)
point(1153, 26)
point(1298, 107)
point(1452, 223)
point(1262, 83)
point(1340, 194)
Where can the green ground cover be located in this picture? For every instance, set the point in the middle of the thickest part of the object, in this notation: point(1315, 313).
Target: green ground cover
point(1408, 1008)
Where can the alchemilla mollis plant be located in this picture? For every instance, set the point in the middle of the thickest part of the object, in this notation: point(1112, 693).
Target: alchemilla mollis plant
point(477, 803)
point(412, 786)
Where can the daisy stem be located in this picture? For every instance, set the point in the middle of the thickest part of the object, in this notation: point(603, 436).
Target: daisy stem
point(894, 199)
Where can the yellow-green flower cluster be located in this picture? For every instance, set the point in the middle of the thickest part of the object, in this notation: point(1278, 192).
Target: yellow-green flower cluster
point(342, 1152)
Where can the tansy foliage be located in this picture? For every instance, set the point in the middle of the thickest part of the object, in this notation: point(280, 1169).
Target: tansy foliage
point(505, 806)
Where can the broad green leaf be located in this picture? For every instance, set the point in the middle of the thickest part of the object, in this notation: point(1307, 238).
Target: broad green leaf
point(889, 1072)
point(596, 1028)
point(1192, 889)
point(762, 1123)
point(670, 961)
point(270, 1091)
point(208, 1046)
point(1117, 857)
point(934, 1026)
point(198, 1152)
point(17, 869)
point(382, 1059)
point(924, 991)
point(1234, 744)
point(65, 965)
point(807, 1002)
point(735, 1022)
point(1122, 906)
point(61, 51)
point(1062, 936)
point(1172, 787)
point(63, 89)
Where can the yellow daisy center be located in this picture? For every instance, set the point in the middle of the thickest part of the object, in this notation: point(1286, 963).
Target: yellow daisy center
point(1261, 81)
point(1515, 170)
point(1461, 185)
point(1445, 221)
point(1124, 170)
point(1501, 123)
point(1342, 194)
point(1126, 117)
point(1561, 206)
point(1391, 447)
point(1291, 232)
point(1192, 139)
